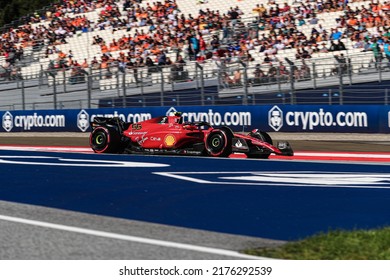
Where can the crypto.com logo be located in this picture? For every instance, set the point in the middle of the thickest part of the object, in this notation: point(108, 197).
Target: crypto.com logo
point(8, 121)
point(275, 118)
point(83, 120)
point(170, 111)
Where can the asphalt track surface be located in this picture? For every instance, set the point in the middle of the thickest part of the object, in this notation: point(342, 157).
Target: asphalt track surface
point(55, 217)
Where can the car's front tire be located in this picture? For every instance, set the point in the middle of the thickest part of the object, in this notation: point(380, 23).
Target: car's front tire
point(219, 143)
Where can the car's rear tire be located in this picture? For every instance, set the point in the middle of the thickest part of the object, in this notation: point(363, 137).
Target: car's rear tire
point(254, 151)
point(105, 140)
point(219, 143)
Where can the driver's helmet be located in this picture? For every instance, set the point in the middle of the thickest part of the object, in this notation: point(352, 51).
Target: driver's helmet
point(179, 120)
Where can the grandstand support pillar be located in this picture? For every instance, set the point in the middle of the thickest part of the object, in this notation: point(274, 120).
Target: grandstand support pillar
point(245, 99)
point(380, 71)
point(386, 96)
point(89, 90)
point(201, 76)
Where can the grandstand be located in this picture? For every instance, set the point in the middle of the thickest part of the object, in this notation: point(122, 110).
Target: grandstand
point(268, 52)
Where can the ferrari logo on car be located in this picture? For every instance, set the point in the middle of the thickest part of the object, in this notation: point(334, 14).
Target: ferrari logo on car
point(169, 140)
point(238, 144)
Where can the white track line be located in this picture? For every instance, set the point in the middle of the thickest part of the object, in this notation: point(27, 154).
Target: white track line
point(298, 154)
point(47, 149)
point(148, 241)
point(338, 154)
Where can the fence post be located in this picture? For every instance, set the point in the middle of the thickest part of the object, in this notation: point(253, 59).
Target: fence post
point(140, 78)
point(162, 85)
point(124, 89)
point(219, 77)
point(349, 67)
point(41, 76)
point(23, 96)
point(55, 92)
point(89, 89)
point(197, 65)
point(196, 74)
point(314, 75)
point(118, 90)
point(341, 85)
point(64, 81)
point(245, 99)
point(292, 80)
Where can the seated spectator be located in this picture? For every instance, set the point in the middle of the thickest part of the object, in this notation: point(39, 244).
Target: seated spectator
point(341, 66)
point(77, 75)
point(305, 71)
point(259, 75)
point(283, 72)
point(272, 73)
point(177, 70)
point(152, 68)
point(237, 77)
point(323, 48)
point(162, 59)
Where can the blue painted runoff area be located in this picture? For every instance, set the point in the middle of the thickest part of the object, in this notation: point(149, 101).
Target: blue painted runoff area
point(286, 200)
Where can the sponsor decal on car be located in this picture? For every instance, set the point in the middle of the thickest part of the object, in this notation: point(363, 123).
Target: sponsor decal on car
point(136, 126)
point(169, 140)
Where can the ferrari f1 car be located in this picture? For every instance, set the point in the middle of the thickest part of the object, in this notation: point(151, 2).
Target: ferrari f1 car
point(171, 135)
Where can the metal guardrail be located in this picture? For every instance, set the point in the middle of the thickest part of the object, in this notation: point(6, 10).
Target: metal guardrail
point(213, 83)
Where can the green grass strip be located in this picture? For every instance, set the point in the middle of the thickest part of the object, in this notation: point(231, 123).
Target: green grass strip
point(334, 245)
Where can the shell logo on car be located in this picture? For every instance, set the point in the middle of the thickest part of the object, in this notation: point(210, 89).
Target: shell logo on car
point(169, 140)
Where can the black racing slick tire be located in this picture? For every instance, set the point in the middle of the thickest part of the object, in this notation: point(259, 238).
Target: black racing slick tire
point(254, 151)
point(105, 140)
point(219, 143)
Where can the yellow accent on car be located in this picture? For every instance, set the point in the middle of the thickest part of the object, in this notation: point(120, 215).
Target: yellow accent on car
point(169, 140)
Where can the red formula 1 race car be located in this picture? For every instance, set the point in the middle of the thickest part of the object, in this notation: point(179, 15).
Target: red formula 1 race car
point(171, 135)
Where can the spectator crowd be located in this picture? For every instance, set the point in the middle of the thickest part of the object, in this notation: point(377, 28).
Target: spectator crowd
point(158, 28)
